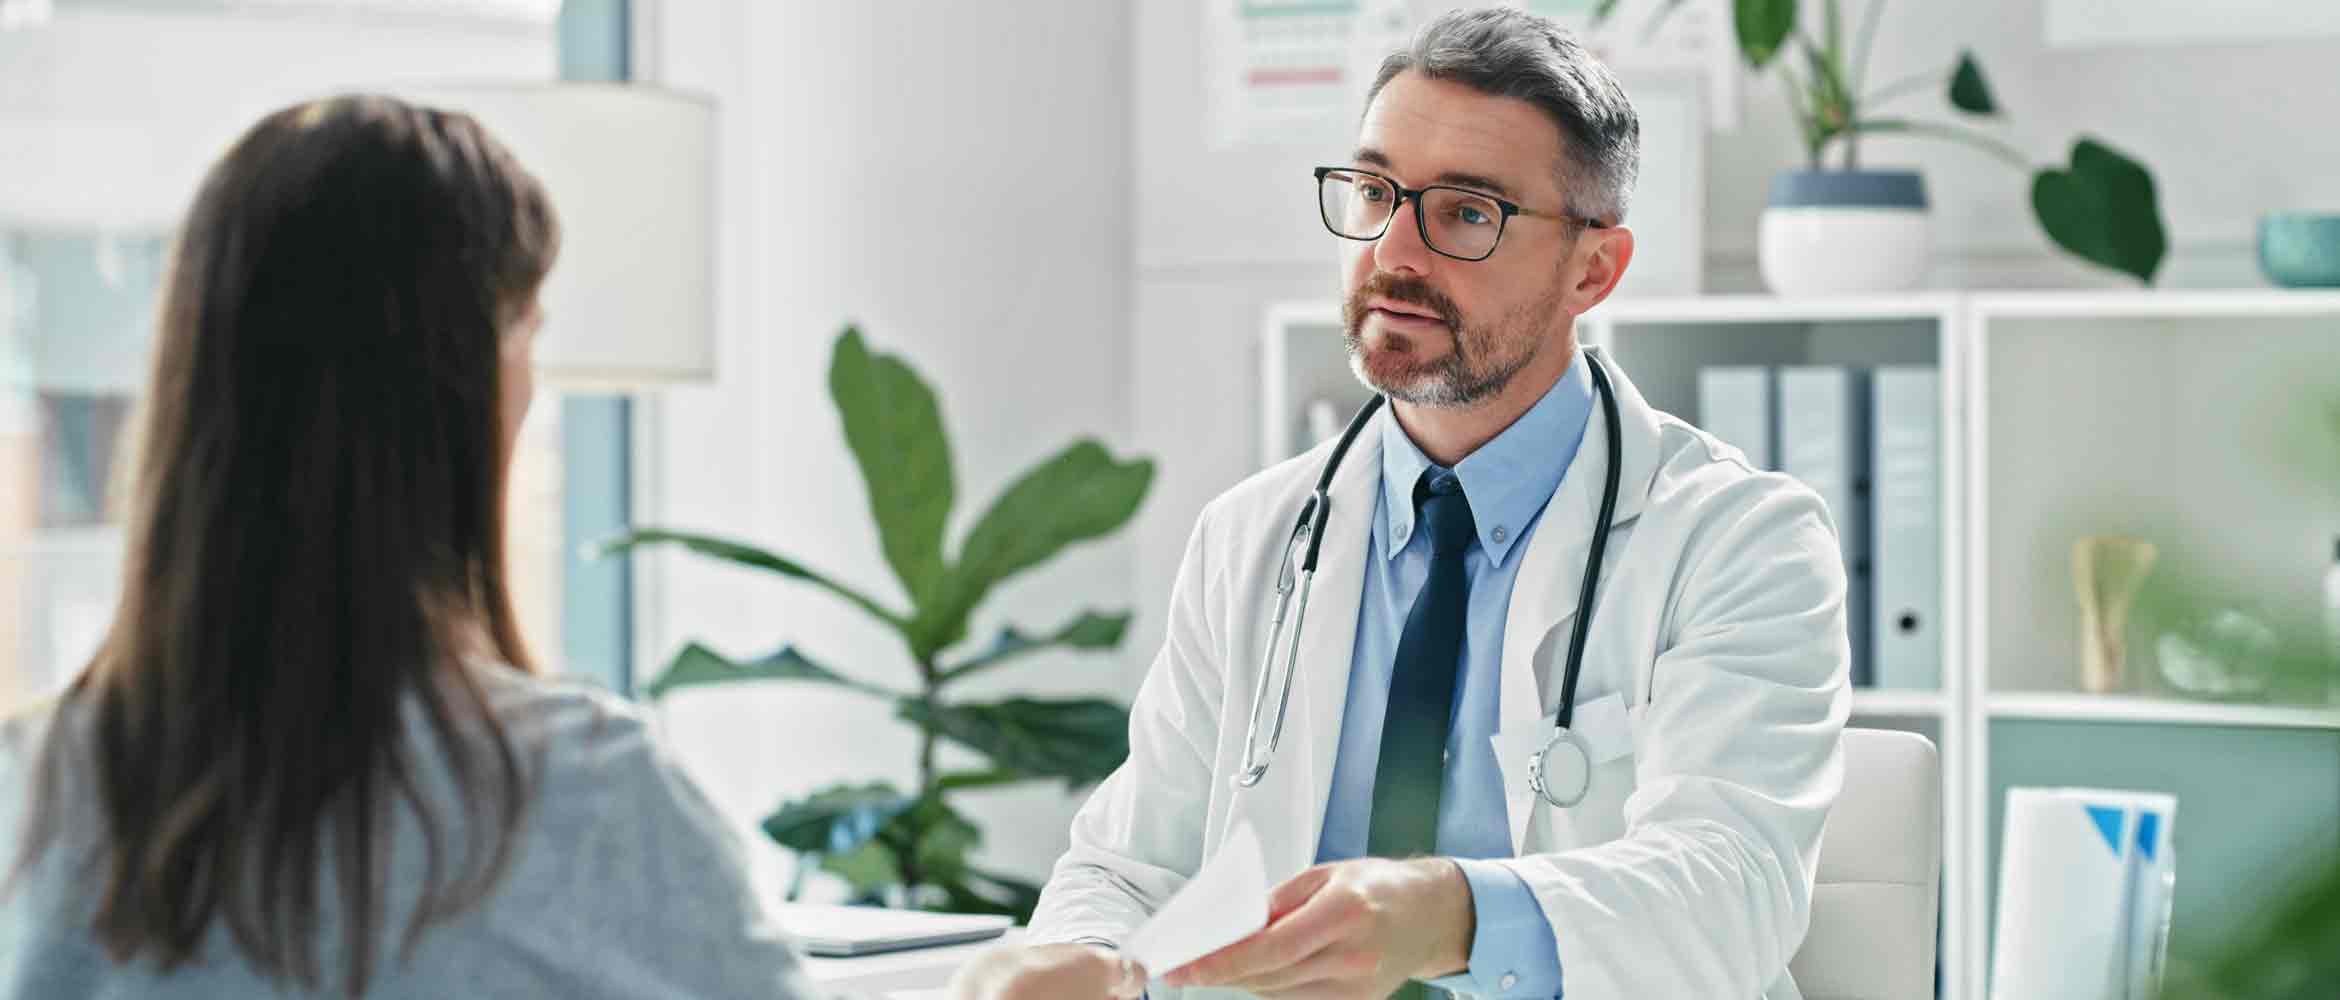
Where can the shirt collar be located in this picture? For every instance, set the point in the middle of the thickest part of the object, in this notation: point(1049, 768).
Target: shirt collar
point(1507, 481)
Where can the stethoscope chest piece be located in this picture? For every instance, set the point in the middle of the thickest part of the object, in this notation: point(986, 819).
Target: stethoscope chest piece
point(1561, 773)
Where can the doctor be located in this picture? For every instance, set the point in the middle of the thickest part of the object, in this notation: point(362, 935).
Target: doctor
point(1668, 849)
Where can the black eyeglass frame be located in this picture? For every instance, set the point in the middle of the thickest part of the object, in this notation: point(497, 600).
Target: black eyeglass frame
point(1404, 194)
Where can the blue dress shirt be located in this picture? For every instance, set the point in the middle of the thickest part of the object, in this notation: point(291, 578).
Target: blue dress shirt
point(1508, 481)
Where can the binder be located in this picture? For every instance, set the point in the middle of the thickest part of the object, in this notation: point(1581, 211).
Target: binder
point(1906, 552)
point(2084, 902)
point(1823, 441)
point(1734, 404)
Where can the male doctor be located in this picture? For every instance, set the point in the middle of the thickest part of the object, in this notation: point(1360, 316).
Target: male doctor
point(1482, 207)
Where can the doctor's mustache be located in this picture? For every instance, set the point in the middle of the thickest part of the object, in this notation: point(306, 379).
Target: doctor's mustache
point(1398, 288)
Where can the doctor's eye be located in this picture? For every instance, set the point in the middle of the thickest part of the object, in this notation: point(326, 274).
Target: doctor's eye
point(1470, 212)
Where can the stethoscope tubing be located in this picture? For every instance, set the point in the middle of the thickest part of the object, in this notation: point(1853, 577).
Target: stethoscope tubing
point(1309, 528)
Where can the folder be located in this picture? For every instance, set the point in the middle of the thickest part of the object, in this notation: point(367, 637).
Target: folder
point(1906, 551)
point(1734, 404)
point(1823, 441)
point(2084, 905)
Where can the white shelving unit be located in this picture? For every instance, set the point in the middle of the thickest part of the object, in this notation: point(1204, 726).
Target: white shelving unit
point(2158, 711)
point(2063, 413)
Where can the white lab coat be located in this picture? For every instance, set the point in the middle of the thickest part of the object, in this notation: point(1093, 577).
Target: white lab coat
point(1687, 871)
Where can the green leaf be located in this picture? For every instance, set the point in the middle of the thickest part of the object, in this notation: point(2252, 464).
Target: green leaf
point(1832, 101)
point(749, 556)
point(697, 665)
point(950, 781)
point(940, 840)
point(2291, 950)
point(870, 869)
point(1080, 740)
point(895, 429)
point(2103, 210)
point(1089, 631)
point(1763, 26)
point(836, 819)
point(1076, 495)
point(1968, 92)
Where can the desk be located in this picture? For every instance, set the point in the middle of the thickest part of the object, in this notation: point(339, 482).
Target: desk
point(875, 976)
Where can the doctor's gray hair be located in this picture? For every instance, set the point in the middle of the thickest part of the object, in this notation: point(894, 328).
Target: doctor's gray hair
point(1511, 53)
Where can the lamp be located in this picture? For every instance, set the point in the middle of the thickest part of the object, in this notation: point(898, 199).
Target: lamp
point(631, 171)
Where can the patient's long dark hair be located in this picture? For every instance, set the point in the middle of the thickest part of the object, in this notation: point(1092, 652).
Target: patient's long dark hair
point(315, 539)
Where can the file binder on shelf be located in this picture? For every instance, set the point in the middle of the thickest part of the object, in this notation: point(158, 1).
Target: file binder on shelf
point(1823, 440)
point(1734, 404)
point(1906, 522)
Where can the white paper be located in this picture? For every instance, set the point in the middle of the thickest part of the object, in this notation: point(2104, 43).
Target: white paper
point(1224, 903)
point(2064, 906)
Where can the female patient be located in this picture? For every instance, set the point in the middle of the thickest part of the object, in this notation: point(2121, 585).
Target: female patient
point(309, 756)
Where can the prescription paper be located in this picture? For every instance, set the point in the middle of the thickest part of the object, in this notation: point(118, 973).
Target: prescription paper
point(1224, 903)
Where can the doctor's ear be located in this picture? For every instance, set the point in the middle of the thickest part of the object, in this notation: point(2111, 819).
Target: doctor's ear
point(1598, 262)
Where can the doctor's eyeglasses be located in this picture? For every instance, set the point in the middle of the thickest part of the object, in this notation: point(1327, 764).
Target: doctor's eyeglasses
point(1455, 222)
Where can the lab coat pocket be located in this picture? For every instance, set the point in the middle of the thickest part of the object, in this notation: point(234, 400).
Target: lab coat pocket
point(1603, 725)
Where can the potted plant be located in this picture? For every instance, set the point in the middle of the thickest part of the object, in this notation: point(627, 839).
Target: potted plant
point(910, 847)
point(1848, 228)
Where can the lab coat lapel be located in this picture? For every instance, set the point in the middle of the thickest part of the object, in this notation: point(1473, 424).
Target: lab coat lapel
point(1327, 646)
point(1551, 575)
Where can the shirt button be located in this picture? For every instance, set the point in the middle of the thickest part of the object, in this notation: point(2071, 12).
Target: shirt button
point(1501, 534)
point(1508, 981)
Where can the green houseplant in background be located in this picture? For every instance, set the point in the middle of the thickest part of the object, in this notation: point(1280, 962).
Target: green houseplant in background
point(909, 847)
point(2289, 948)
point(1846, 229)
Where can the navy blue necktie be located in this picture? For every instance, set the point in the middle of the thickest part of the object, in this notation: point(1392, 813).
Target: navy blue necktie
point(1410, 777)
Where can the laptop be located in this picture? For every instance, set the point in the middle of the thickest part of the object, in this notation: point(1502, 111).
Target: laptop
point(853, 931)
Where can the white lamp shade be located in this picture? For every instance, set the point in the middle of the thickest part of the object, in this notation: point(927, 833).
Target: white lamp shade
point(631, 171)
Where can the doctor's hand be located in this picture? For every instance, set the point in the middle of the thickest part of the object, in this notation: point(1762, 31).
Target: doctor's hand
point(1350, 929)
point(1048, 972)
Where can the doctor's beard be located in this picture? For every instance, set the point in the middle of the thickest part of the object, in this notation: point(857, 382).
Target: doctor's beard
point(1482, 361)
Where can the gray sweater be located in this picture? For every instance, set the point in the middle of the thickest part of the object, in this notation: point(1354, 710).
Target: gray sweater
point(623, 883)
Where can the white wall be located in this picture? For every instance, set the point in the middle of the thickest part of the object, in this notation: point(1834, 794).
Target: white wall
point(953, 178)
point(109, 118)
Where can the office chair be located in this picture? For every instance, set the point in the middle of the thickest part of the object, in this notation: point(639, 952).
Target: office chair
point(1878, 896)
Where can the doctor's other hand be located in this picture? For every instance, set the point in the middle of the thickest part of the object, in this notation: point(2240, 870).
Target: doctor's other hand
point(1048, 972)
point(1349, 929)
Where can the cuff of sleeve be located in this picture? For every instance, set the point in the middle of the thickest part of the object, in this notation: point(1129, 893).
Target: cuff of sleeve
point(1513, 953)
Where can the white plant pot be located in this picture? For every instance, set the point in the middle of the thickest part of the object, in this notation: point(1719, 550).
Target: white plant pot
point(1844, 233)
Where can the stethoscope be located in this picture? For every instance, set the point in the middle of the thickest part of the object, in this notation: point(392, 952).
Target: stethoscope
point(1561, 780)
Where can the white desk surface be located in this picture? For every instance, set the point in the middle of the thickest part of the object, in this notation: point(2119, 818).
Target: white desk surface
point(875, 976)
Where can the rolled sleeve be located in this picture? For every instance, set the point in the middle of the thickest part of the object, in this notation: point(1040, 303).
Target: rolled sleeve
point(1513, 952)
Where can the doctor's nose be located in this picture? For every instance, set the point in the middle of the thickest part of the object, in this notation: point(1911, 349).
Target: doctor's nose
point(1400, 247)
